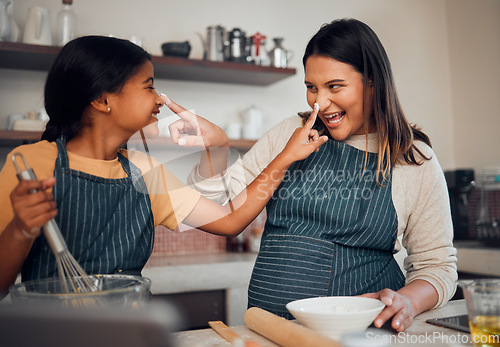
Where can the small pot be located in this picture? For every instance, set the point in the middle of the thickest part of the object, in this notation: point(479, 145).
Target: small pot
point(176, 49)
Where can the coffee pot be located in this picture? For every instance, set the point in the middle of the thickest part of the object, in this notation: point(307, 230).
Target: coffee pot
point(279, 56)
point(38, 30)
point(214, 43)
point(237, 46)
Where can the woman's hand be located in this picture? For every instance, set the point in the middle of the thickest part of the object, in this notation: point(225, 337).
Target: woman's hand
point(304, 140)
point(414, 298)
point(33, 210)
point(397, 306)
point(192, 130)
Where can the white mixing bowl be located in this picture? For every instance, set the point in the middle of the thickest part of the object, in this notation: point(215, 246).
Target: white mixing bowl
point(333, 316)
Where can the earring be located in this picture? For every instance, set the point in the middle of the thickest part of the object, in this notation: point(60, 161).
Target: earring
point(108, 109)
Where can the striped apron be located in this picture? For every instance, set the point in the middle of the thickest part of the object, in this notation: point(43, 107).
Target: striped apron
point(106, 223)
point(330, 230)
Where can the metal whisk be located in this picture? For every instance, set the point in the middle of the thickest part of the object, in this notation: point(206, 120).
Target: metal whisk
point(68, 268)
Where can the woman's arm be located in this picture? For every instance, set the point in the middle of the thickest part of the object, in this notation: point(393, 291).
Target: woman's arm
point(240, 174)
point(431, 262)
point(194, 131)
point(230, 220)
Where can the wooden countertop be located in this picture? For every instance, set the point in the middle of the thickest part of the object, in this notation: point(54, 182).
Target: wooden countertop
point(420, 333)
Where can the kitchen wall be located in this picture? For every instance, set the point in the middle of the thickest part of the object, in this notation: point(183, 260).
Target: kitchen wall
point(433, 46)
point(474, 44)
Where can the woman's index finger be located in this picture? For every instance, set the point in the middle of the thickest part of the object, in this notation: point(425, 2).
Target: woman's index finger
point(176, 108)
point(182, 113)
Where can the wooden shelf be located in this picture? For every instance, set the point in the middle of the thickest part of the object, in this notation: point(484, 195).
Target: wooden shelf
point(16, 135)
point(243, 144)
point(32, 136)
point(23, 56)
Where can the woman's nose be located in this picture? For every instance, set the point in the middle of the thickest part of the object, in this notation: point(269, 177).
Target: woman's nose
point(323, 101)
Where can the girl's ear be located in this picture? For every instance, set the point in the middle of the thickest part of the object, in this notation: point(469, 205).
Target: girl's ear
point(101, 104)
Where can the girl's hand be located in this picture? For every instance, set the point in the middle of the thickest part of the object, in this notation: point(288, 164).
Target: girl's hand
point(192, 130)
point(32, 211)
point(397, 306)
point(304, 140)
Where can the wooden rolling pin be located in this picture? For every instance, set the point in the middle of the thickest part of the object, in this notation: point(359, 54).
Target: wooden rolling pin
point(284, 332)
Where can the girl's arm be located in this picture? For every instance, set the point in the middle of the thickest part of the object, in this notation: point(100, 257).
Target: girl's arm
point(231, 219)
point(31, 212)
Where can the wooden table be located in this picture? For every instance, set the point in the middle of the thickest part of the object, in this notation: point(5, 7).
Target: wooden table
point(420, 333)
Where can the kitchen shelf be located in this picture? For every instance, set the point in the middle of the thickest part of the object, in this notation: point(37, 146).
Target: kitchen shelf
point(17, 135)
point(243, 144)
point(23, 56)
point(32, 136)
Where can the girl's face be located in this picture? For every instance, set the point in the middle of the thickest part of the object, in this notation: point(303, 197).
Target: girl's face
point(137, 104)
point(338, 88)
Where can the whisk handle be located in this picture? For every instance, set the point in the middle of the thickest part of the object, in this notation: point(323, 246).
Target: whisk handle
point(50, 229)
point(54, 237)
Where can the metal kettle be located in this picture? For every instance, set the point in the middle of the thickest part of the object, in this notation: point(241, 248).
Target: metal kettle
point(214, 43)
point(279, 56)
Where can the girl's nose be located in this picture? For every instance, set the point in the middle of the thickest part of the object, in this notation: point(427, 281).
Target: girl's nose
point(159, 100)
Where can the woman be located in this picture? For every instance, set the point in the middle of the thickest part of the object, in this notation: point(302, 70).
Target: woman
point(333, 223)
point(106, 200)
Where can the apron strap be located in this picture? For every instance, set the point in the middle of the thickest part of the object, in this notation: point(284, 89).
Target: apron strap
point(62, 155)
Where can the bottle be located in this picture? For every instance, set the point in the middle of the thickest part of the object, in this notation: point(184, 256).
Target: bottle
point(66, 23)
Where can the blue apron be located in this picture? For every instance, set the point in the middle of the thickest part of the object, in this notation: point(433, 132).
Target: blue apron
point(107, 223)
point(330, 231)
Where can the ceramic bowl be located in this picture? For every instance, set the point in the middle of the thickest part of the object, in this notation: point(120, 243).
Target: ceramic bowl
point(176, 49)
point(333, 316)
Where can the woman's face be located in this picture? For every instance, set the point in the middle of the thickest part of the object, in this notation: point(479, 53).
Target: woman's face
point(136, 106)
point(338, 88)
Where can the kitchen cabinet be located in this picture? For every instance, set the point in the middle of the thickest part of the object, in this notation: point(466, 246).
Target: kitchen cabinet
point(199, 308)
point(204, 275)
point(22, 56)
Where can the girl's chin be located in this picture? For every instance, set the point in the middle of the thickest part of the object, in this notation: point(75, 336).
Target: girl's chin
point(151, 130)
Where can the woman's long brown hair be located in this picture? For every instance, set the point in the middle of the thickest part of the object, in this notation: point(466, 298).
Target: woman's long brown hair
point(353, 42)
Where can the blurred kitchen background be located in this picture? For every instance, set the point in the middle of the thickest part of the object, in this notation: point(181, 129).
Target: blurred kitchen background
point(445, 59)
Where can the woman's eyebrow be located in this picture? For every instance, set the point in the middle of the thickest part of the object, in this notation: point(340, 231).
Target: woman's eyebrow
point(329, 82)
point(334, 81)
point(150, 79)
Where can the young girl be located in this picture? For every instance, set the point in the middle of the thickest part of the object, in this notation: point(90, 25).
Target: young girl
point(105, 199)
point(333, 223)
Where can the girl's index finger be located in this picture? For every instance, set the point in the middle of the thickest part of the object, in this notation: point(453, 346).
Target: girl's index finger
point(312, 118)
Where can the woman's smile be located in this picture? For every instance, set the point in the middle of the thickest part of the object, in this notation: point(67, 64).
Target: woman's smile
point(334, 120)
